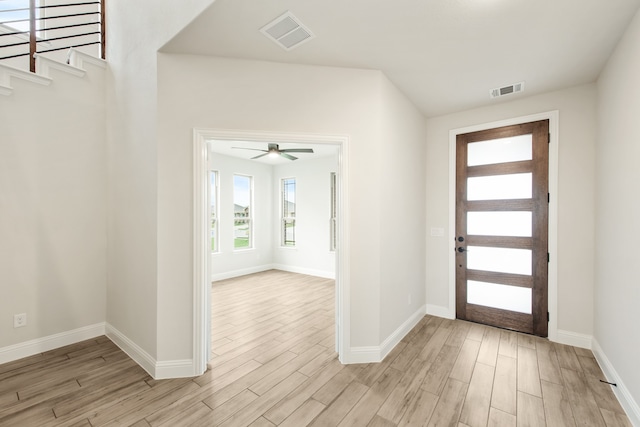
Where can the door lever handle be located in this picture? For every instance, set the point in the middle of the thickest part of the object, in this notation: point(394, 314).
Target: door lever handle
point(461, 249)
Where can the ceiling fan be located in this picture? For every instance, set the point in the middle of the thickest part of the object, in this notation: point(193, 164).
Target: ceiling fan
point(273, 151)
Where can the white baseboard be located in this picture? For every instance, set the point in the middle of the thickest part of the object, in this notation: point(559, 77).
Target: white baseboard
point(307, 271)
point(621, 391)
point(159, 370)
point(361, 355)
point(133, 350)
point(439, 311)
point(241, 272)
point(51, 342)
point(572, 338)
point(174, 369)
point(375, 354)
point(397, 335)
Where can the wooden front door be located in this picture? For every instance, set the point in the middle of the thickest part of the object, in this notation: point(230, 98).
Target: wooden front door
point(502, 227)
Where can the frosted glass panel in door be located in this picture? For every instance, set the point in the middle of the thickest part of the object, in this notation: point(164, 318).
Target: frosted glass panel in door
point(515, 224)
point(505, 297)
point(498, 187)
point(499, 260)
point(513, 149)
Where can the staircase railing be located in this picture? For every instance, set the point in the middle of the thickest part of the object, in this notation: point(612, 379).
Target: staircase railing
point(28, 27)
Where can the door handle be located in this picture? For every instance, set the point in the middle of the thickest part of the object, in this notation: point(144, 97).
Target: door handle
point(461, 249)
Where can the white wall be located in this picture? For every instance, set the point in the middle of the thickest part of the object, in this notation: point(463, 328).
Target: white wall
point(617, 288)
point(136, 291)
point(53, 262)
point(223, 93)
point(311, 255)
point(576, 181)
point(401, 203)
point(229, 262)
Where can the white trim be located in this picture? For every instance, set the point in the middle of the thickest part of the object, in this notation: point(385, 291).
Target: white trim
point(375, 354)
point(440, 311)
point(159, 370)
point(554, 120)
point(44, 65)
point(78, 59)
point(307, 271)
point(623, 394)
point(174, 369)
point(6, 90)
point(7, 72)
point(241, 272)
point(574, 339)
point(201, 251)
point(397, 335)
point(361, 355)
point(141, 357)
point(51, 342)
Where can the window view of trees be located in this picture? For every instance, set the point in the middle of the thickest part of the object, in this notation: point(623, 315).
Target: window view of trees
point(288, 212)
point(242, 212)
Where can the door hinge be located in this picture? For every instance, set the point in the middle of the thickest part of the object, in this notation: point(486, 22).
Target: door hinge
point(548, 197)
point(548, 257)
point(549, 139)
point(547, 316)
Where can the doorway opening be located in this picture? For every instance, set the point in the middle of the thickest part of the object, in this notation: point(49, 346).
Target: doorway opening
point(249, 237)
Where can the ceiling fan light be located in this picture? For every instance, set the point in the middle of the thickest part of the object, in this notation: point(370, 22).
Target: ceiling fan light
point(273, 154)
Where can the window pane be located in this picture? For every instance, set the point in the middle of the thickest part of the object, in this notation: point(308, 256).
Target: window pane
point(499, 223)
point(499, 260)
point(242, 234)
point(213, 198)
point(288, 224)
point(242, 211)
point(505, 297)
point(289, 232)
point(497, 187)
point(513, 149)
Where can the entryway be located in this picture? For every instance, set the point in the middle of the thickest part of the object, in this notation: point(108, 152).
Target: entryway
point(501, 227)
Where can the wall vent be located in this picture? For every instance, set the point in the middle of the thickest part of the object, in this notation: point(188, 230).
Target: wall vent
point(287, 31)
point(507, 90)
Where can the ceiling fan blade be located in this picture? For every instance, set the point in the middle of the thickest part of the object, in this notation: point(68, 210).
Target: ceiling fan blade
point(261, 155)
point(286, 156)
point(297, 150)
point(252, 149)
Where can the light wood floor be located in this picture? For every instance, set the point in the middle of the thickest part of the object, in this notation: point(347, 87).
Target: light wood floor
point(274, 364)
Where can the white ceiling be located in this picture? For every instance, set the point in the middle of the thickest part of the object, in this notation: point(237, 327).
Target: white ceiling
point(445, 55)
point(226, 148)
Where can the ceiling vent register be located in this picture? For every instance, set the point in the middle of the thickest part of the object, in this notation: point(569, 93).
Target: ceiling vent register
point(287, 31)
point(507, 90)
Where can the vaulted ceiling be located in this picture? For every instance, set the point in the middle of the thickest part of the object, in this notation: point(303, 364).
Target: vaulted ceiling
point(445, 55)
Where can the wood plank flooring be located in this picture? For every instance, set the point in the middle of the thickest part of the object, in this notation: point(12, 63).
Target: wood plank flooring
point(274, 364)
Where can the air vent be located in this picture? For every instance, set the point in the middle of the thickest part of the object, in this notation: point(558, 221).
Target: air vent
point(287, 31)
point(507, 90)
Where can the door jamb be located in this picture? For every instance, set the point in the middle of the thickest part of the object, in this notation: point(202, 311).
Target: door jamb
point(552, 280)
point(201, 252)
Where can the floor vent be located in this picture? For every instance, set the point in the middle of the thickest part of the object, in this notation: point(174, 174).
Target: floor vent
point(507, 90)
point(287, 31)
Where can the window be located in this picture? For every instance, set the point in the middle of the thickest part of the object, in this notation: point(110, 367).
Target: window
point(213, 203)
point(242, 212)
point(288, 212)
point(333, 229)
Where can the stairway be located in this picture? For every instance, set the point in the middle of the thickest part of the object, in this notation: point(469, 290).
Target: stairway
point(76, 67)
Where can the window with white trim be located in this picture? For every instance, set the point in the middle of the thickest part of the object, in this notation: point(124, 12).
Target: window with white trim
point(242, 212)
point(213, 209)
point(333, 222)
point(288, 220)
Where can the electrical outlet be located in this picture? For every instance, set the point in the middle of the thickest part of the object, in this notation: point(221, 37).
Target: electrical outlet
point(19, 320)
